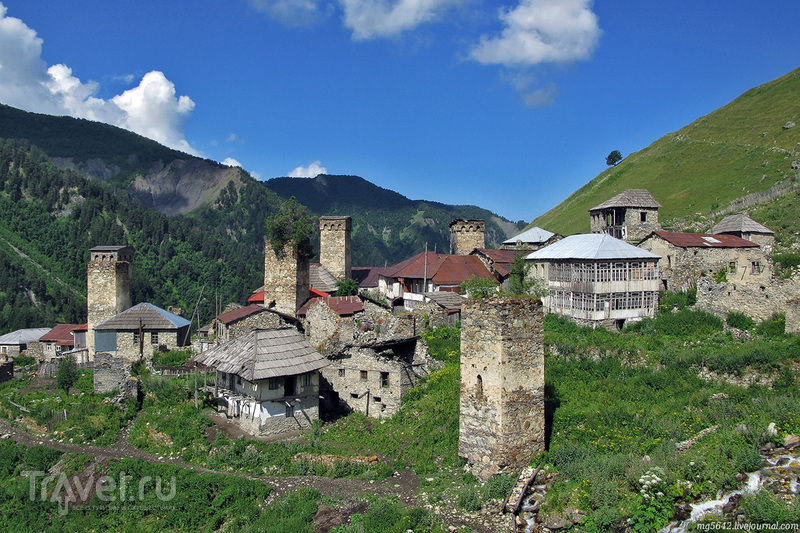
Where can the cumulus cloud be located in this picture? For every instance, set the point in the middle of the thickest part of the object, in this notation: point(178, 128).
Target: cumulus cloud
point(311, 171)
point(150, 109)
point(231, 162)
point(539, 31)
point(291, 12)
point(386, 18)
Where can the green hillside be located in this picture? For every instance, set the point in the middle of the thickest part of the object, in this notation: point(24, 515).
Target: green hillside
point(739, 149)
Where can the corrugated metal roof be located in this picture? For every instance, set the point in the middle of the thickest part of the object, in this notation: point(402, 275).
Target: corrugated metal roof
point(152, 318)
point(108, 248)
point(341, 305)
point(457, 268)
point(257, 297)
point(590, 246)
point(23, 336)
point(367, 277)
point(630, 198)
point(264, 353)
point(60, 333)
point(415, 266)
point(703, 240)
point(238, 314)
point(739, 223)
point(534, 235)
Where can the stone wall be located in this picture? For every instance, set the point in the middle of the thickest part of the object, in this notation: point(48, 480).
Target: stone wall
point(262, 320)
point(335, 247)
point(286, 279)
point(112, 374)
point(108, 291)
point(128, 349)
point(466, 235)
point(759, 302)
point(502, 384)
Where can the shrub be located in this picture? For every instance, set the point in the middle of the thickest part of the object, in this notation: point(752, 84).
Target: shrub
point(775, 326)
point(24, 360)
point(171, 357)
point(41, 458)
point(500, 485)
point(476, 287)
point(739, 320)
point(469, 499)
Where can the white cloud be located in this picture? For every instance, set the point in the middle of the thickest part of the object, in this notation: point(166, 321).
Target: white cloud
point(150, 109)
point(231, 162)
point(291, 12)
point(310, 171)
point(539, 31)
point(386, 18)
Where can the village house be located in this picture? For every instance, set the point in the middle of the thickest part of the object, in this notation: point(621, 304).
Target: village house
point(236, 322)
point(595, 279)
point(532, 239)
point(630, 216)
point(138, 331)
point(57, 340)
point(16, 342)
point(267, 380)
point(685, 257)
point(743, 226)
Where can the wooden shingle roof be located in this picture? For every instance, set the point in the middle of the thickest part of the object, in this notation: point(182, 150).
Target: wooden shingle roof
point(149, 316)
point(740, 223)
point(264, 353)
point(630, 198)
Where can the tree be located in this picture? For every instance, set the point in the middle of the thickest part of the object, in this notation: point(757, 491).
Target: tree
point(613, 158)
point(476, 287)
point(518, 280)
point(291, 224)
point(68, 373)
point(346, 287)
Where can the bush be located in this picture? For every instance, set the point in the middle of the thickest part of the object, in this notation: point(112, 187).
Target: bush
point(739, 321)
point(24, 360)
point(469, 499)
point(775, 326)
point(171, 357)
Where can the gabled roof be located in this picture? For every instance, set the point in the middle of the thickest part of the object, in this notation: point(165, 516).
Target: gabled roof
point(534, 235)
point(367, 277)
point(457, 268)
point(23, 336)
point(257, 297)
point(61, 334)
point(415, 266)
point(152, 317)
point(703, 240)
point(502, 260)
point(237, 314)
point(264, 353)
point(446, 299)
point(320, 278)
point(630, 198)
point(341, 305)
point(590, 246)
point(739, 223)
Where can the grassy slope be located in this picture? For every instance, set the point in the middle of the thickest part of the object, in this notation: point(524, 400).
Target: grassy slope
point(736, 150)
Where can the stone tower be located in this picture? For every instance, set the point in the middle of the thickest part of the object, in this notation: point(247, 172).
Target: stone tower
point(286, 281)
point(108, 286)
point(335, 247)
point(502, 384)
point(466, 235)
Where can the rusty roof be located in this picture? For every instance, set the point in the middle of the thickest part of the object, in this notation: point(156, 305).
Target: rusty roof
point(257, 297)
point(61, 334)
point(457, 268)
point(237, 314)
point(415, 266)
point(367, 277)
point(703, 240)
point(341, 305)
point(630, 198)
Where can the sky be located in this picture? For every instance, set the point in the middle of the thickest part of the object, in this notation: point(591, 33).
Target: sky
point(509, 105)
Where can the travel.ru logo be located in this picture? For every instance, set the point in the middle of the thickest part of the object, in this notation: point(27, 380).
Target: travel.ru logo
point(114, 493)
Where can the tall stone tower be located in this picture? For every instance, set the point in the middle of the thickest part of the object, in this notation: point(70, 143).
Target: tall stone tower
point(286, 281)
point(108, 286)
point(502, 384)
point(335, 248)
point(466, 235)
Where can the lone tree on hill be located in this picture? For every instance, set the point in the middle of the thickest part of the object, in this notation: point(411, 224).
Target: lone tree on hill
point(613, 158)
point(67, 373)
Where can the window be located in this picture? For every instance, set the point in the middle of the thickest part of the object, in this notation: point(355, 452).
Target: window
point(305, 380)
point(154, 338)
point(755, 267)
point(384, 380)
point(363, 375)
point(377, 399)
point(732, 267)
point(643, 216)
point(274, 383)
point(341, 372)
point(289, 410)
point(136, 338)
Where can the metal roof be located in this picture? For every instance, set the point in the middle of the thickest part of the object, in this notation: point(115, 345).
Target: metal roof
point(739, 223)
point(590, 246)
point(534, 235)
point(630, 198)
point(703, 240)
point(341, 305)
point(23, 336)
point(264, 353)
point(61, 334)
point(152, 318)
point(367, 277)
point(457, 268)
point(415, 266)
point(109, 248)
point(239, 313)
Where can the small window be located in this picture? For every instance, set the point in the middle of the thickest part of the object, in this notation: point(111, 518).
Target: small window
point(274, 383)
point(136, 338)
point(289, 411)
point(377, 399)
point(354, 395)
point(363, 375)
point(384, 380)
point(154, 338)
point(732, 267)
point(643, 216)
point(755, 267)
point(341, 372)
point(305, 380)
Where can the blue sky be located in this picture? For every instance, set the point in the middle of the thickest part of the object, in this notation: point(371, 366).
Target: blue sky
point(507, 105)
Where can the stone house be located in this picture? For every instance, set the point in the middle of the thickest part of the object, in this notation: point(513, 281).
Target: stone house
point(57, 340)
point(685, 257)
point(629, 216)
point(267, 380)
point(236, 322)
point(136, 332)
point(745, 227)
point(595, 279)
point(14, 343)
point(532, 239)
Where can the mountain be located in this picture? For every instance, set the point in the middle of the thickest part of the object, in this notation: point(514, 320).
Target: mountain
point(387, 226)
point(744, 148)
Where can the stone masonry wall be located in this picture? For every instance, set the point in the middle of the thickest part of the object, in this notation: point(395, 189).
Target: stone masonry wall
point(286, 280)
point(466, 235)
point(108, 293)
point(263, 320)
point(759, 302)
point(111, 374)
point(502, 384)
point(335, 247)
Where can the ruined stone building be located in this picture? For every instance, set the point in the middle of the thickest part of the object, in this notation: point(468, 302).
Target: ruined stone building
point(108, 286)
point(500, 262)
point(137, 332)
point(685, 257)
point(267, 380)
point(501, 414)
point(286, 279)
point(532, 239)
point(466, 235)
point(595, 279)
point(630, 216)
